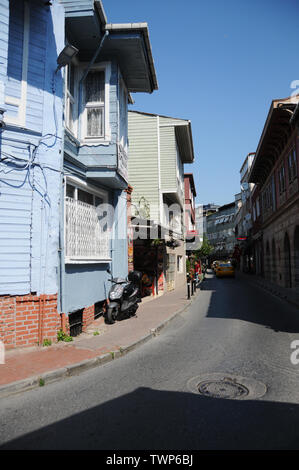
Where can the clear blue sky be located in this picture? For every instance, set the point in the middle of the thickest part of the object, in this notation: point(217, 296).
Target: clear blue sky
point(218, 63)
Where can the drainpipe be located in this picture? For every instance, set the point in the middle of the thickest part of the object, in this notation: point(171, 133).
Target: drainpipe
point(85, 75)
point(61, 247)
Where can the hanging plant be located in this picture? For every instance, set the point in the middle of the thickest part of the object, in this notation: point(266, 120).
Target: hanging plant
point(173, 243)
point(157, 242)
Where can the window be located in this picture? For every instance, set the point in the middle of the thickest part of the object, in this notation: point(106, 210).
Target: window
point(254, 213)
point(94, 113)
point(292, 165)
point(171, 218)
point(179, 264)
point(123, 114)
point(87, 228)
point(281, 180)
point(257, 207)
point(268, 197)
point(17, 62)
point(87, 107)
point(70, 117)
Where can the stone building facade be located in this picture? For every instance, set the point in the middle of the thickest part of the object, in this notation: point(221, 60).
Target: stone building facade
point(275, 199)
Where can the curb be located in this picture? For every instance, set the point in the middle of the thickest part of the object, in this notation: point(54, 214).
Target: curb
point(75, 369)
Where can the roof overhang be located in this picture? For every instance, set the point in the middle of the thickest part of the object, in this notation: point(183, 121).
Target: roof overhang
point(84, 25)
point(276, 132)
point(128, 44)
point(184, 138)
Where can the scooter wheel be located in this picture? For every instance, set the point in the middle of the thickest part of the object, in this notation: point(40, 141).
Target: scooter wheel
point(111, 315)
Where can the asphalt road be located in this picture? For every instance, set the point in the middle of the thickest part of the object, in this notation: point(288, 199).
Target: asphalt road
point(146, 400)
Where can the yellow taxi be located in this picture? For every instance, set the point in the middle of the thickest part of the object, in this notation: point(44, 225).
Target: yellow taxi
point(225, 269)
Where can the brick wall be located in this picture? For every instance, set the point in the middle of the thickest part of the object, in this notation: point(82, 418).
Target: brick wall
point(88, 316)
point(28, 320)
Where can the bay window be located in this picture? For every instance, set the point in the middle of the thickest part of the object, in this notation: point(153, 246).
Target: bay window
point(88, 106)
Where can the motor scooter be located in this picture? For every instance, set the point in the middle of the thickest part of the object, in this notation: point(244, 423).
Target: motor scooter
point(124, 296)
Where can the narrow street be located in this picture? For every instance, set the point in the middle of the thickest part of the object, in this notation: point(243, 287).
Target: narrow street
point(147, 400)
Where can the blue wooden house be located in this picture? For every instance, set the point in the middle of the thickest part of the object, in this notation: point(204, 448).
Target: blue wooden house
point(63, 166)
point(113, 61)
point(31, 138)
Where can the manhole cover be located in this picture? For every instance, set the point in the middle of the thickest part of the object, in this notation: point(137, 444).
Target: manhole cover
point(223, 388)
point(224, 385)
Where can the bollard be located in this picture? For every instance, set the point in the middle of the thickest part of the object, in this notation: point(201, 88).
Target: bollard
point(188, 291)
point(192, 287)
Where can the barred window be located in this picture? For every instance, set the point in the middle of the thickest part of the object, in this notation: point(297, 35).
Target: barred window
point(87, 234)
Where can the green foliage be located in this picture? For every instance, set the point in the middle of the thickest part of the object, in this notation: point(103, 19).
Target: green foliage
point(47, 342)
point(41, 382)
point(96, 333)
point(206, 248)
point(62, 336)
point(157, 242)
point(68, 339)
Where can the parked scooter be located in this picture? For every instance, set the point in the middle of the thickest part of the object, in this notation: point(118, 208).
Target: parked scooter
point(124, 296)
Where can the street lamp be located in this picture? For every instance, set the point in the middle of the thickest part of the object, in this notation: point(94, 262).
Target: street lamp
point(66, 55)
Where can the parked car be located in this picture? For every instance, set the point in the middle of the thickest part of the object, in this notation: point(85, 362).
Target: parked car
point(225, 269)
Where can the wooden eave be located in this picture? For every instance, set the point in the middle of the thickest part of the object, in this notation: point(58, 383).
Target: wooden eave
point(274, 138)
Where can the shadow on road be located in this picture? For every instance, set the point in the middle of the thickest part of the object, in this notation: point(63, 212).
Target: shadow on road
point(147, 419)
point(235, 298)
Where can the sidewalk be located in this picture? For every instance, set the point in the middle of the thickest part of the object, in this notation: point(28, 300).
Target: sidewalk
point(28, 368)
point(290, 295)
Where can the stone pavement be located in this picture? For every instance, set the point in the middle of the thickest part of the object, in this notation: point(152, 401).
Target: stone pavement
point(28, 368)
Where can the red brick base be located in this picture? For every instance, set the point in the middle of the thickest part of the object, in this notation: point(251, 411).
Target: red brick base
point(29, 320)
point(65, 323)
point(88, 316)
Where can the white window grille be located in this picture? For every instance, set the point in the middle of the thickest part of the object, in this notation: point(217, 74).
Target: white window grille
point(87, 234)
